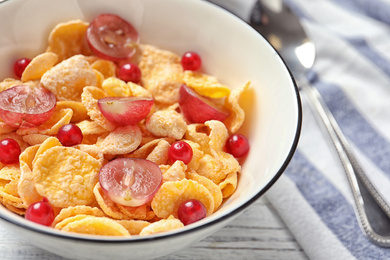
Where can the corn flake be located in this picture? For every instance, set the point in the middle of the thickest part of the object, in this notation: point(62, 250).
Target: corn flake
point(33, 139)
point(172, 193)
point(162, 74)
point(89, 98)
point(89, 127)
point(59, 118)
point(142, 212)
point(9, 179)
point(147, 148)
point(39, 65)
point(9, 83)
point(138, 91)
point(68, 39)
point(68, 220)
point(77, 210)
point(96, 226)
point(162, 225)
point(210, 185)
point(115, 87)
point(6, 128)
point(159, 154)
point(122, 140)
point(229, 185)
point(237, 114)
point(11, 207)
point(197, 155)
point(175, 172)
point(107, 205)
point(167, 123)
point(105, 67)
point(26, 187)
point(205, 85)
point(46, 145)
point(66, 176)
point(67, 79)
point(79, 111)
point(134, 226)
point(92, 150)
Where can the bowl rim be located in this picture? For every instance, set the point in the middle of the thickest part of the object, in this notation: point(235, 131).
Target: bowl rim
point(184, 231)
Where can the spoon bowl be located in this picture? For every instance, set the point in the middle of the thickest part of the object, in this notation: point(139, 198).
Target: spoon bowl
point(288, 37)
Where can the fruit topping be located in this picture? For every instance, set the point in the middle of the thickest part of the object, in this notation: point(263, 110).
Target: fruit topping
point(180, 150)
point(9, 151)
point(125, 110)
point(237, 145)
point(110, 37)
point(129, 181)
point(69, 135)
point(191, 211)
point(191, 61)
point(199, 109)
point(40, 212)
point(24, 106)
point(129, 72)
point(20, 65)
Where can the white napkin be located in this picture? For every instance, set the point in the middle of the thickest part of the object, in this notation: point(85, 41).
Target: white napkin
point(352, 72)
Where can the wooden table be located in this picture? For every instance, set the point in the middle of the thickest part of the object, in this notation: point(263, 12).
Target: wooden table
point(257, 234)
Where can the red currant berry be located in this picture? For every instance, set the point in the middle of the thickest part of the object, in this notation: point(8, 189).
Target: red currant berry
point(69, 135)
point(191, 211)
point(9, 151)
point(191, 61)
point(237, 145)
point(40, 212)
point(180, 150)
point(20, 65)
point(129, 72)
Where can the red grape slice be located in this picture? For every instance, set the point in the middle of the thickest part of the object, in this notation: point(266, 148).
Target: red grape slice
point(110, 37)
point(125, 110)
point(24, 106)
point(129, 181)
point(198, 109)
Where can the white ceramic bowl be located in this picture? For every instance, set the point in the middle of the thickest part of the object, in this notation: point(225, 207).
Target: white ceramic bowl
point(230, 50)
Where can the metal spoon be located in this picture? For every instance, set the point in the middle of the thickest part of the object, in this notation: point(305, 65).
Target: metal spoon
point(276, 22)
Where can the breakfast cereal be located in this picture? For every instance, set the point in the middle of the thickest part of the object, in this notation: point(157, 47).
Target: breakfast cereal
point(69, 178)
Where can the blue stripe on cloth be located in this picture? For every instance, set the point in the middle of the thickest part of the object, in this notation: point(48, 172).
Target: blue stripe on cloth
point(376, 9)
point(354, 125)
point(333, 209)
point(361, 46)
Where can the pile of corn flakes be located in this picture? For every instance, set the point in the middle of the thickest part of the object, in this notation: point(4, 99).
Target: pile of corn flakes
point(68, 176)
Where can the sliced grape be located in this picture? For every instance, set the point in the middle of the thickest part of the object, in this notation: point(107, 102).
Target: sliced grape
point(110, 37)
point(24, 106)
point(198, 109)
point(129, 181)
point(125, 110)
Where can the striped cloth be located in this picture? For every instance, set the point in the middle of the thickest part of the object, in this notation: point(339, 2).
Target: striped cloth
point(352, 72)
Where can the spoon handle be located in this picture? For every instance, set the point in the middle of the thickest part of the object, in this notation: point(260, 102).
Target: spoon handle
point(357, 179)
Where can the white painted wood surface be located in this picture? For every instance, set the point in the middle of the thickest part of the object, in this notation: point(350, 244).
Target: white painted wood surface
point(256, 234)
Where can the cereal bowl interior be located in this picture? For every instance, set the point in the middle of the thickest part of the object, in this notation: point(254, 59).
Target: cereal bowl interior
point(231, 51)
